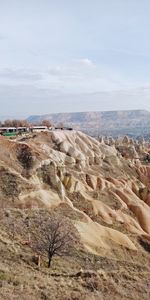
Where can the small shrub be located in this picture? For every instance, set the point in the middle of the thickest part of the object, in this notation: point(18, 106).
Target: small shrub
point(24, 155)
point(145, 244)
point(92, 283)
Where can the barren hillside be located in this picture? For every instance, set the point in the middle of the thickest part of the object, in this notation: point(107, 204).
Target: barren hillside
point(103, 188)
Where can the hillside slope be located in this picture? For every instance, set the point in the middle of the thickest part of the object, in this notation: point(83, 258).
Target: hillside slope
point(103, 188)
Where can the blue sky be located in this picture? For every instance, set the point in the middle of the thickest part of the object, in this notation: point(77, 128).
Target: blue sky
point(67, 55)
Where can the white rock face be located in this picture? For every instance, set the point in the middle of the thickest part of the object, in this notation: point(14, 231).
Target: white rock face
point(99, 181)
point(82, 150)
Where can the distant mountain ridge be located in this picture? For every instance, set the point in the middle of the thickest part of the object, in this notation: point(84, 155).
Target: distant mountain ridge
point(105, 122)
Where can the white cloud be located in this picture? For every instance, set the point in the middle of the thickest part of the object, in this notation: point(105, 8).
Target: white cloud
point(59, 47)
point(86, 62)
point(28, 99)
point(19, 74)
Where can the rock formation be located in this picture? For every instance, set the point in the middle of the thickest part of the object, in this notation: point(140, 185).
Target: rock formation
point(105, 181)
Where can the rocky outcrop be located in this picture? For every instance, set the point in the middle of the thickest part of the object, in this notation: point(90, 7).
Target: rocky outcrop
point(105, 184)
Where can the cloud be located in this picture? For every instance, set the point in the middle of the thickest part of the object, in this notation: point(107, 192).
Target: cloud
point(55, 71)
point(28, 99)
point(75, 76)
point(81, 76)
point(20, 74)
point(86, 62)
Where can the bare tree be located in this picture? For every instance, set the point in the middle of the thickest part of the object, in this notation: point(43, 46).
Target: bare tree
point(46, 123)
point(20, 123)
point(15, 123)
point(8, 123)
point(56, 236)
point(60, 125)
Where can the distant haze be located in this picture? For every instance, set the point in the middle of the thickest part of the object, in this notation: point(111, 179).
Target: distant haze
point(133, 122)
point(67, 56)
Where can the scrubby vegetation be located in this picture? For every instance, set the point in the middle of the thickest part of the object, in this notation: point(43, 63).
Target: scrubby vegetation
point(77, 275)
point(25, 157)
point(145, 244)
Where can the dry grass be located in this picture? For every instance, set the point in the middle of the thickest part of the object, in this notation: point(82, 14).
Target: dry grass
point(78, 276)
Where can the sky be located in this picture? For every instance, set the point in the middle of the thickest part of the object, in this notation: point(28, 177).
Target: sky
point(66, 55)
